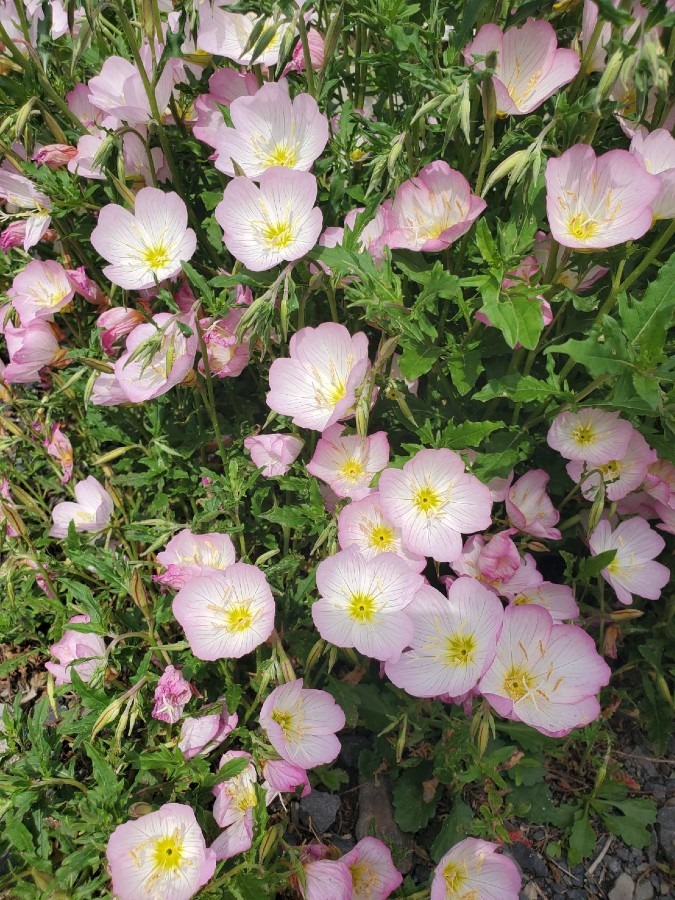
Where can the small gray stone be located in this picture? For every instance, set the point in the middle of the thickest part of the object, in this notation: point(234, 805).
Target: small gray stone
point(321, 807)
point(576, 894)
point(614, 867)
point(644, 890)
point(529, 860)
point(623, 854)
point(623, 888)
point(665, 827)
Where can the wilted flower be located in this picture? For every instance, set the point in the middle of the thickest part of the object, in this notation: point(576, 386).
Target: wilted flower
point(364, 526)
point(317, 384)
point(200, 735)
point(162, 854)
point(188, 556)
point(89, 649)
point(31, 348)
point(474, 868)
point(273, 454)
point(228, 356)
point(91, 511)
point(529, 507)
point(529, 67)
point(591, 435)
point(171, 695)
point(116, 323)
point(570, 277)
point(633, 569)
point(54, 156)
point(301, 724)
point(270, 223)
point(59, 447)
point(32, 203)
point(148, 245)
point(316, 53)
point(348, 463)
point(598, 202)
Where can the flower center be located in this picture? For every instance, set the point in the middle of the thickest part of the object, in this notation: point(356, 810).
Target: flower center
point(156, 256)
point(518, 682)
point(460, 649)
point(381, 538)
point(611, 470)
point(278, 235)
point(361, 607)
point(284, 720)
point(246, 798)
point(427, 500)
point(581, 227)
point(583, 435)
point(454, 878)
point(167, 853)
point(281, 155)
point(352, 470)
point(238, 618)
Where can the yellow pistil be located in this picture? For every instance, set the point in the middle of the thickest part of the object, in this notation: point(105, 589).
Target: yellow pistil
point(352, 470)
point(518, 682)
point(278, 235)
point(581, 227)
point(167, 854)
point(361, 607)
point(238, 618)
point(281, 155)
point(454, 877)
point(461, 649)
point(156, 256)
point(381, 538)
point(427, 500)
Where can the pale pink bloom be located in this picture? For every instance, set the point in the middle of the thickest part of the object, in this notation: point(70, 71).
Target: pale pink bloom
point(233, 809)
point(14, 235)
point(73, 646)
point(134, 157)
point(589, 19)
point(171, 695)
point(660, 482)
point(432, 210)
point(116, 323)
point(633, 569)
point(620, 476)
point(496, 563)
point(317, 384)
point(316, 53)
point(327, 878)
point(147, 246)
point(226, 615)
point(529, 507)
point(639, 503)
point(85, 286)
point(301, 723)
point(91, 510)
point(29, 202)
point(282, 777)
point(591, 435)
point(31, 348)
point(374, 875)
point(373, 234)
point(200, 735)
point(107, 391)
point(271, 130)
point(270, 223)
point(656, 152)
point(40, 290)
point(667, 516)
point(529, 67)
point(434, 501)
point(228, 356)
point(363, 525)
point(558, 599)
point(273, 454)
point(570, 277)
point(499, 558)
point(160, 855)
point(597, 202)
point(474, 869)
point(348, 463)
point(59, 447)
point(225, 85)
point(158, 356)
point(227, 34)
point(543, 674)
point(188, 556)
point(454, 640)
point(363, 602)
point(118, 90)
point(79, 103)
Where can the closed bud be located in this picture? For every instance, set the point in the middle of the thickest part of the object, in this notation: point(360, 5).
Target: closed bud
point(54, 156)
point(136, 810)
point(465, 110)
point(394, 153)
point(107, 717)
point(23, 116)
point(314, 655)
point(138, 592)
point(333, 35)
point(596, 509)
point(516, 162)
point(13, 518)
point(272, 837)
point(609, 76)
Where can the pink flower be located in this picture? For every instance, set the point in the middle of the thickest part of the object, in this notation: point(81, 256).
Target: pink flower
point(200, 736)
point(119, 90)
point(14, 235)
point(161, 854)
point(31, 348)
point(374, 875)
point(233, 809)
point(475, 868)
point(271, 130)
point(543, 674)
point(5, 494)
point(434, 501)
point(317, 385)
point(188, 556)
point(372, 235)
point(273, 454)
point(54, 156)
point(529, 67)
point(348, 463)
point(282, 777)
point(496, 563)
point(597, 202)
point(22, 194)
point(558, 599)
point(225, 85)
point(453, 643)
point(529, 507)
point(326, 878)
point(656, 152)
point(275, 221)
point(90, 649)
point(171, 695)
point(79, 103)
point(40, 290)
point(147, 246)
point(158, 356)
point(316, 53)
point(91, 511)
point(107, 391)
point(431, 211)
point(660, 482)
point(301, 723)
point(633, 570)
point(228, 356)
point(59, 447)
point(619, 476)
point(228, 34)
point(115, 324)
point(363, 602)
point(363, 525)
point(570, 277)
point(590, 435)
point(226, 615)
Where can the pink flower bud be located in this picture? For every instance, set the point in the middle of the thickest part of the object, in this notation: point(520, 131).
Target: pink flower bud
point(54, 156)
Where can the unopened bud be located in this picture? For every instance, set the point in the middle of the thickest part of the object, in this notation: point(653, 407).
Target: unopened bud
point(107, 717)
point(465, 110)
point(272, 837)
point(136, 810)
point(314, 655)
point(394, 153)
point(138, 592)
point(514, 165)
point(23, 116)
point(609, 76)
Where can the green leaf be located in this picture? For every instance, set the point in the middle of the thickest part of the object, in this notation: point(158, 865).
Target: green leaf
point(417, 360)
point(591, 567)
point(18, 835)
point(631, 826)
point(516, 315)
point(519, 388)
point(582, 840)
point(410, 809)
point(603, 352)
point(453, 829)
point(467, 435)
point(485, 243)
point(535, 803)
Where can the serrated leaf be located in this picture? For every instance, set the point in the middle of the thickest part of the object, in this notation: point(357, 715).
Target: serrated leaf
point(631, 826)
point(468, 435)
point(417, 360)
point(519, 388)
point(646, 319)
point(603, 352)
point(582, 840)
point(517, 316)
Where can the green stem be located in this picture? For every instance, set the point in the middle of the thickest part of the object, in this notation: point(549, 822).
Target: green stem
point(309, 72)
point(489, 115)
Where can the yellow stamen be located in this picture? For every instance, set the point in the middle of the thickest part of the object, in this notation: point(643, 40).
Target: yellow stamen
point(427, 500)
point(167, 854)
point(518, 682)
point(156, 256)
point(581, 227)
point(461, 649)
point(238, 618)
point(381, 538)
point(361, 607)
point(352, 470)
